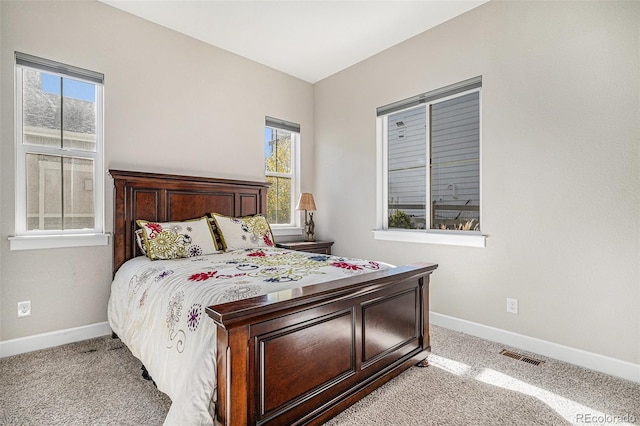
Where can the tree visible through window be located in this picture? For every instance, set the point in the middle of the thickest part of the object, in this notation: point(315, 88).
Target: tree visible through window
point(279, 146)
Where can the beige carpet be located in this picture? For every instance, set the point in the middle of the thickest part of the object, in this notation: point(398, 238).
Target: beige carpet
point(98, 382)
point(470, 383)
point(95, 382)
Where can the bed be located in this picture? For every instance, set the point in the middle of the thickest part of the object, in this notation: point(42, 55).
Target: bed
point(282, 354)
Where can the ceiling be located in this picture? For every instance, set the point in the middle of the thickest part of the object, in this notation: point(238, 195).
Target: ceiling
point(307, 39)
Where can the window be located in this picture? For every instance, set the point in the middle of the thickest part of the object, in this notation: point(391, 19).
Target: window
point(59, 166)
point(430, 164)
point(281, 140)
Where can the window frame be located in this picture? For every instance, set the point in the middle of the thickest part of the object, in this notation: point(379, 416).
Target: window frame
point(293, 228)
point(25, 239)
point(427, 235)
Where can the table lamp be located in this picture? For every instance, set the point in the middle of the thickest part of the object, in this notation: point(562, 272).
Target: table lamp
point(306, 203)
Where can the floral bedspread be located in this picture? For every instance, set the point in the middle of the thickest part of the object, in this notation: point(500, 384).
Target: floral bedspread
point(157, 308)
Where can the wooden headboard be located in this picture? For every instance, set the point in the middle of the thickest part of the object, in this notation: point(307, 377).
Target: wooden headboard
point(163, 198)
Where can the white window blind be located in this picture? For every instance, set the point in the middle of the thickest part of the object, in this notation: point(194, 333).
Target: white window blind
point(431, 160)
point(59, 151)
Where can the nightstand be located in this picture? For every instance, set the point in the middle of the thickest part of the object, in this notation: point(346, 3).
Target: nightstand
point(322, 247)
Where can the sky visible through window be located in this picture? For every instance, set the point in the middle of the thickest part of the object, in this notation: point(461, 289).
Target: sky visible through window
point(72, 88)
point(268, 137)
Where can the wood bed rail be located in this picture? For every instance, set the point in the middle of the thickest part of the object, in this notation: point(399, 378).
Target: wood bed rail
point(244, 311)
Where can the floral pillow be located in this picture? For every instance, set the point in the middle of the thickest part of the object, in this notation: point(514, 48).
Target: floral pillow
point(244, 232)
point(173, 240)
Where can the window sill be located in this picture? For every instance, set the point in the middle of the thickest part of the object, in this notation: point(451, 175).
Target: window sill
point(35, 242)
point(474, 240)
point(289, 231)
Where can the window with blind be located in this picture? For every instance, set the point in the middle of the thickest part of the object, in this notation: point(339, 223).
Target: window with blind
point(431, 160)
point(280, 147)
point(59, 169)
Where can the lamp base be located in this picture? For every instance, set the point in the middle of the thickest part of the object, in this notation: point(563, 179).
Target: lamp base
point(309, 229)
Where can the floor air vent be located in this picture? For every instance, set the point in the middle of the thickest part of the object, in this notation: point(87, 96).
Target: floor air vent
point(519, 357)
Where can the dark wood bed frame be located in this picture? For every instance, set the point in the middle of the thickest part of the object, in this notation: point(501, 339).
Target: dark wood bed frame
point(298, 356)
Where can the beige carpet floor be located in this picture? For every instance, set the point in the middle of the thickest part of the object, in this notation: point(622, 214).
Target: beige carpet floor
point(98, 382)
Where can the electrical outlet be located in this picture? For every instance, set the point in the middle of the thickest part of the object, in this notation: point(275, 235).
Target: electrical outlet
point(512, 305)
point(24, 309)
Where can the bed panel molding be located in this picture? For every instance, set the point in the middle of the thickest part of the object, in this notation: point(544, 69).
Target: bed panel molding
point(167, 197)
point(288, 359)
point(182, 203)
point(388, 326)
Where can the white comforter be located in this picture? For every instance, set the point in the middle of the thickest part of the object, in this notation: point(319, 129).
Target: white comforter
point(158, 310)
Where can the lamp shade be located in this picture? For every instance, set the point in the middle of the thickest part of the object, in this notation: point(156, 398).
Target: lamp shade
point(306, 202)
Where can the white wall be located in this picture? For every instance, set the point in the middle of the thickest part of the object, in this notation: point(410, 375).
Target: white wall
point(172, 104)
point(560, 167)
point(2, 174)
point(560, 146)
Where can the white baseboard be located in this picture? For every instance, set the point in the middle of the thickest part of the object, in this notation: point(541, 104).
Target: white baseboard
point(590, 360)
point(54, 338)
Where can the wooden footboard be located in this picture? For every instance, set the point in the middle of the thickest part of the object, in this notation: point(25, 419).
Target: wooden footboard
point(298, 356)
point(301, 356)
